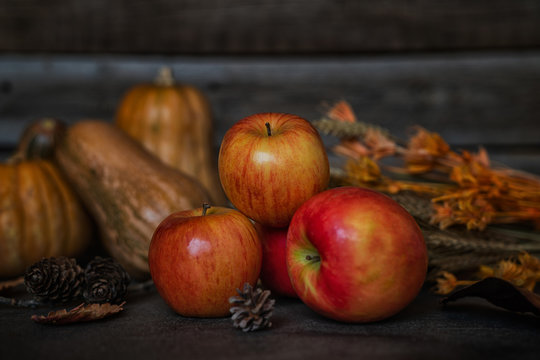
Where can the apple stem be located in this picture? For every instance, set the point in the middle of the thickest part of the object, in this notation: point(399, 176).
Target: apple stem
point(268, 130)
point(205, 207)
point(313, 258)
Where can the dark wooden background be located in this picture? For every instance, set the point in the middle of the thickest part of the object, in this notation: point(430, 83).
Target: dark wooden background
point(469, 70)
point(266, 26)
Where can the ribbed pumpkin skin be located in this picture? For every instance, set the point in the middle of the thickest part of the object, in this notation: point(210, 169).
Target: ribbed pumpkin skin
point(40, 216)
point(127, 190)
point(175, 123)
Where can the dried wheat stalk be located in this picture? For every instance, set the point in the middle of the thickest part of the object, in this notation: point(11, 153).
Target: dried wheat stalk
point(455, 249)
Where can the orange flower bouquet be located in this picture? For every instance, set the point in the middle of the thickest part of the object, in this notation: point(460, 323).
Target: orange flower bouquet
point(460, 199)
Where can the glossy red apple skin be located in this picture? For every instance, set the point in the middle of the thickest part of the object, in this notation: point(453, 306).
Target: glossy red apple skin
point(373, 258)
point(268, 177)
point(198, 261)
point(274, 275)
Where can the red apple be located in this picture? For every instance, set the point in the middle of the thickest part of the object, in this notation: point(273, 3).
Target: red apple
point(355, 255)
point(198, 258)
point(274, 273)
point(269, 164)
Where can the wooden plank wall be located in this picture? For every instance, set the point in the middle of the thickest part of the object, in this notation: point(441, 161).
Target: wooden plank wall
point(469, 70)
point(266, 26)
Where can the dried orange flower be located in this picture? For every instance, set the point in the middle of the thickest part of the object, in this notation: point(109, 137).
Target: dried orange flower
point(342, 111)
point(529, 262)
point(444, 215)
point(423, 150)
point(531, 270)
point(510, 271)
point(448, 282)
point(465, 189)
point(485, 271)
point(364, 170)
point(351, 148)
point(523, 272)
point(475, 213)
point(482, 157)
point(379, 144)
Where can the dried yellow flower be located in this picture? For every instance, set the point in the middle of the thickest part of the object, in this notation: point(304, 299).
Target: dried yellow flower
point(351, 149)
point(364, 170)
point(485, 272)
point(342, 111)
point(448, 282)
point(379, 144)
point(465, 189)
point(523, 272)
point(423, 150)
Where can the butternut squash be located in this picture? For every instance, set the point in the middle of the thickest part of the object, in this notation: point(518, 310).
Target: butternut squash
point(128, 190)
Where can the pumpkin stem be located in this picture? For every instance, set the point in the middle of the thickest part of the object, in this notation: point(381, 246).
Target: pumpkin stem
point(165, 77)
point(38, 140)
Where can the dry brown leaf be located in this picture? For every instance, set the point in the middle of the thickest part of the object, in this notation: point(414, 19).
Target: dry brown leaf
point(11, 283)
point(83, 312)
point(501, 293)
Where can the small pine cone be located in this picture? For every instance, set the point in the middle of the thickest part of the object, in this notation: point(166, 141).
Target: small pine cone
point(251, 310)
point(57, 280)
point(106, 281)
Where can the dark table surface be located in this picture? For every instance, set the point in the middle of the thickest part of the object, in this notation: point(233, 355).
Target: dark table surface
point(148, 329)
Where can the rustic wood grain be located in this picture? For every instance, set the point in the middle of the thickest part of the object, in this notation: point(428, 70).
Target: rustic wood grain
point(264, 26)
point(470, 99)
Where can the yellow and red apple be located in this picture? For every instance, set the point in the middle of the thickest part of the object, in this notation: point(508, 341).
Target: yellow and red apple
point(355, 255)
point(274, 275)
point(271, 163)
point(198, 258)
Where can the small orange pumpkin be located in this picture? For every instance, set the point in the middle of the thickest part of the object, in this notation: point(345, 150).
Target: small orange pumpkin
point(174, 122)
point(40, 216)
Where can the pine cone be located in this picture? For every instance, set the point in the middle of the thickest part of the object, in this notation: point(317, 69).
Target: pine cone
point(252, 309)
point(106, 281)
point(55, 279)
